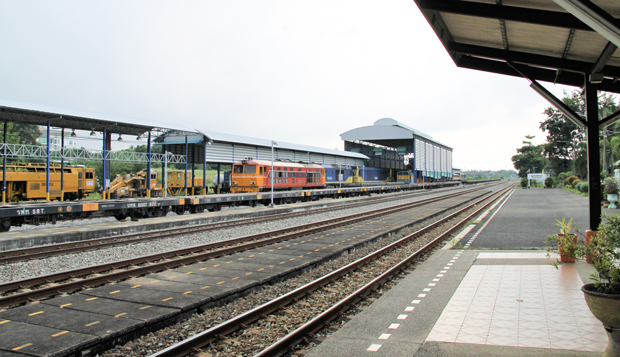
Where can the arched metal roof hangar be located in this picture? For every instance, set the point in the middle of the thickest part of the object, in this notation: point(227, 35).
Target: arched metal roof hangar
point(389, 144)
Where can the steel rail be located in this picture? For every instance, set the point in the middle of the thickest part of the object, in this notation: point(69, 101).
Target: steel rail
point(46, 251)
point(168, 260)
point(212, 334)
point(324, 318)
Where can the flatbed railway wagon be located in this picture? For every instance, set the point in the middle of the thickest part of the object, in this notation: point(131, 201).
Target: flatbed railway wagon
point(27, 182)
point(253, 176)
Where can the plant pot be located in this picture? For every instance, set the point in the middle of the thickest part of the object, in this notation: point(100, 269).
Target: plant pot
point(606, 308)
point(612, 198)
point(564, 257)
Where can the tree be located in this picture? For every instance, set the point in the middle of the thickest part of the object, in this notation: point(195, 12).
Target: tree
point(529, 157)
point(565, 148)
point(563, 136)
point(17, 133)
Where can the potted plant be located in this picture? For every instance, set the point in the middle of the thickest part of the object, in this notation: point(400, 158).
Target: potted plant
point(603, 295)
point(611, 189)
point(566, 240)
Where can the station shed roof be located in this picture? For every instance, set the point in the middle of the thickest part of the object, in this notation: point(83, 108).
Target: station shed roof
point(219, 147)
point(222, 137)
point(387, 132)
point(40, 114)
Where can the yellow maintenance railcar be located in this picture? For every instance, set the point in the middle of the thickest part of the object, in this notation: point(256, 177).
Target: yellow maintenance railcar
point(27, 182)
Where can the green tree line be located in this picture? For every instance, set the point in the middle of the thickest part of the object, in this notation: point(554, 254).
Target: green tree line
point(565, 149)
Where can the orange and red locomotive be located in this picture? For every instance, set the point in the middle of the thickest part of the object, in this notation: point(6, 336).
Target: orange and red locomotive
point(253, 176)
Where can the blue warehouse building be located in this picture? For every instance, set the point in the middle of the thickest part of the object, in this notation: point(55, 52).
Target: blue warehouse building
point(399, 151)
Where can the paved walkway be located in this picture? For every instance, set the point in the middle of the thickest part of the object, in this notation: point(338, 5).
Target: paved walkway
point(481, 302)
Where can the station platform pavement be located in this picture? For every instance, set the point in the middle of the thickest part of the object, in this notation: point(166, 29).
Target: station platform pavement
point(494, 294)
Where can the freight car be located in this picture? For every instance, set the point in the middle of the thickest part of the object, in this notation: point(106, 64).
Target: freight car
point(253, 176)
point(27, 182)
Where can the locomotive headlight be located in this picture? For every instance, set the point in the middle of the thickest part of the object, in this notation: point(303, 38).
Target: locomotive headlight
point(252, 183)
point(234, 182)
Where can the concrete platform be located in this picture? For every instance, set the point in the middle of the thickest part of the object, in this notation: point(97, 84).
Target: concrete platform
point(480, 302)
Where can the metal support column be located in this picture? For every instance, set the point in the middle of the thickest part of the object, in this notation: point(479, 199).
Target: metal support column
point(415, 173)
point(107, 168)
point(148, 166)
point(47, 170)
point(194, 169)
point(204, 169)
point(62, 165)
point(594, 167)
point(104, 165)
point(164, 176)
point(4, 165)
point(186, 163)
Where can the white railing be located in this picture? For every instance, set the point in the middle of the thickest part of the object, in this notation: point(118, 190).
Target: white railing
point(32, 151)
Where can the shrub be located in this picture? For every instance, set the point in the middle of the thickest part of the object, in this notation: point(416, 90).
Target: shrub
point(583, 187)
point(549, 182)
point(563, 176)
point(570, 180)
point(523, 182)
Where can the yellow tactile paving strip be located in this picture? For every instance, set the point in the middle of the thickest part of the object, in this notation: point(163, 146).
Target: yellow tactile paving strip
point(521, 305)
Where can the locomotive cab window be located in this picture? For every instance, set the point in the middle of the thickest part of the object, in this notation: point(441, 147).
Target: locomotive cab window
point(90, 175)
point(237, 169)
point(250, 169)
point(80, 175)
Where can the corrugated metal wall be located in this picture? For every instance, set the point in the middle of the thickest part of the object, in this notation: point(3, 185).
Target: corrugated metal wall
point(227, 153)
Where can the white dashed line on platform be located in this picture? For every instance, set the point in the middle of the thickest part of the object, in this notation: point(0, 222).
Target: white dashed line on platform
point(373, 348)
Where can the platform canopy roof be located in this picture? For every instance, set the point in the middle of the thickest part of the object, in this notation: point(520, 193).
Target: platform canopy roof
point(216, 139)
point(557, 41)
point(570, 42)
point(40, 114)
point(388, 132)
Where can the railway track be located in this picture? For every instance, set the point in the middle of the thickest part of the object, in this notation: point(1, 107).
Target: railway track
point(211, 340)
point(46, 251)
point(25, 290)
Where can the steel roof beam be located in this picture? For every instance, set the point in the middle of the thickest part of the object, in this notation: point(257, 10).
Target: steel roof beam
point(595, 17)
point(602, 60)
point(568, 112)
point(541, 74)
point(528, 58)
point(502, 12)
point(611, 119)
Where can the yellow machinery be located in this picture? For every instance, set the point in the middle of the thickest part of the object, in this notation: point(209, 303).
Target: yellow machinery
point(131, 185)
point(355, 177)
point(176, 183)
point(27, 181)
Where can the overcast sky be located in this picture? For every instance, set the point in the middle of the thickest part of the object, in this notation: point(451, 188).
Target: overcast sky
point(295, 71)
